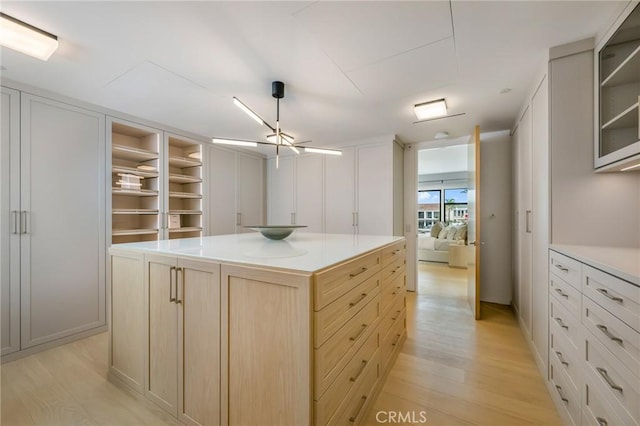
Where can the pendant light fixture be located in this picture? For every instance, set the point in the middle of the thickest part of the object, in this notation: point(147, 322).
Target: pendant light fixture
point(25, 38)
point(277, 137)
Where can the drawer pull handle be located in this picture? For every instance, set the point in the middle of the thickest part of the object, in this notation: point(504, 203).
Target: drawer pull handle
point(562, 293)
point(171, 281)
point(360, 299)
point(561, 358)
point(397, 339)
point(354, 338)
point(397, 289)
point(355, 416)
point(395, 270)
point(607, 379)
point(601, 421)
point(358, 273)
point(562, 268)
point(396, 251)
point(364, 364)
point(607, 333)
point(605, 293)
point(559, 389)
point(561, 323)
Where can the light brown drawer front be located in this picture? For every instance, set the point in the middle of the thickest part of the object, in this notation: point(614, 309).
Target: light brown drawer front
point(334, 282)
point(392, 316)
point(568, 325)
point(389, 293)
point(336, 352)
point(391, 341)
point(619, 382)
point(562, 393)
point(566, 268)
point(390, 271)
point(337, 313)
point(393, 252)
point(570, 297)
point(350, 377)
point(598, 410)
point(617, 296)
point(616, 336)
point(566, 357)
point(354, 406)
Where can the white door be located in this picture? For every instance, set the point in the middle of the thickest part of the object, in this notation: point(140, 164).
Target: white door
point(340, 192)
point(473, 228)
point(525, 224)
point(250, 191)
point(10, 221)
point(309, 183)
point(280, 191)
point(222, 191)
point(63, 197)
point(374, 215)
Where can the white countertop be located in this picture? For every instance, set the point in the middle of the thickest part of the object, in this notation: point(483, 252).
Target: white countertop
point(302, 251)
point(621, 262)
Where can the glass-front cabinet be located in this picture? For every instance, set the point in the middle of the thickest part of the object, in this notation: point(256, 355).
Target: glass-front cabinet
point(617, 135)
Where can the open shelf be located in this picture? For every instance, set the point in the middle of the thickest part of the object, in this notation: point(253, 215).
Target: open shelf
point(187, 229)
point(124, 152)
point(135, 192)
point(627, 72)
point(134, 211)
point(627, 118)
point(122, 232)
point(133, 171)
point(185, 212)
point(175, 194)
point(175, 161)
point(176, 178)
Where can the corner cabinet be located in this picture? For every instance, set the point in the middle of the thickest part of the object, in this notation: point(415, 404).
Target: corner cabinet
point(617, 71)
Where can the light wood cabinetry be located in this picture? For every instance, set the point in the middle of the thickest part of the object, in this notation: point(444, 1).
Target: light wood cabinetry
point(617, 70)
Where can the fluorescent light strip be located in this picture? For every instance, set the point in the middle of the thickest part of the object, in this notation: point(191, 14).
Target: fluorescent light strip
point(630, 167)
point(430, 109)
point(246, 109)
point(286, 141)
point(323, 151)
point(25, 38)
point(234, 142)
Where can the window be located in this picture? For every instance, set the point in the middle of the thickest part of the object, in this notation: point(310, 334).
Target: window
point(428, 208)
point(455, 205)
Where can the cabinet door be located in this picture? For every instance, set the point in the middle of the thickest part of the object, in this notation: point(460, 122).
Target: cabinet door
point(525, 225)
point(161, 383)
point(250, 191)
point(340, 192)
point(375, 190)
point(222, 191)
point(63, 200)
point(309, 191)
point(199, 338)
point(9, 221)
point(280, 191)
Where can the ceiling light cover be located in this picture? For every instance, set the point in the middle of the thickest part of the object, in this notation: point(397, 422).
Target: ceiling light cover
point(323, 151)
point(234, 142)
point(248, 110)
point(25, 38)
point(431, 109)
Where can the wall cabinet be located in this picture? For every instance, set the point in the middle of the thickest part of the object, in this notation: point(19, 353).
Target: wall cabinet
point(53, 211)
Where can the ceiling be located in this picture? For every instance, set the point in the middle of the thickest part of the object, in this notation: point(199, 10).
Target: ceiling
point(353, 70)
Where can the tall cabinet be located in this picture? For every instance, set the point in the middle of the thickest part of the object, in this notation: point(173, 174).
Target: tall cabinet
point(53, 214)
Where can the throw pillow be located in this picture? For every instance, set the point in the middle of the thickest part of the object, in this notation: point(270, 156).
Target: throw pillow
point(443, 234)
point(435, 229)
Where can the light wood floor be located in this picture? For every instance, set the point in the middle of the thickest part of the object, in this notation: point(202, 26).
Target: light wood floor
point(458, 371)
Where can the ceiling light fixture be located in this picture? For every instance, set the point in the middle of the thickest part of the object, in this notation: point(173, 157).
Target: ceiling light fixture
point(431, 109)
point(25, 38)
point(277, 138)
point(441, 135)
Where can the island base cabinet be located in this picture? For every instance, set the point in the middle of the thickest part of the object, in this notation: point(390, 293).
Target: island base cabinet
point(266, 347)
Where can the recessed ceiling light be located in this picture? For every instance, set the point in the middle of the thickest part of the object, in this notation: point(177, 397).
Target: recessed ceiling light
point(431, 109)
point(25, 38)
point(505, 90)
point(441, 135)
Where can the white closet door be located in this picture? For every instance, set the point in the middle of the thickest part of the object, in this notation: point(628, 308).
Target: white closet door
point(63, 195)
point(9, 221)
point(525, 225)
point(222, 191)
point(309, 183)
point(250, 191)
point(280, 191)
point(375, 190)
point(340, 192)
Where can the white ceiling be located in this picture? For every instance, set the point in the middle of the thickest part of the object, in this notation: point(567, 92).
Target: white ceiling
point(353, 70)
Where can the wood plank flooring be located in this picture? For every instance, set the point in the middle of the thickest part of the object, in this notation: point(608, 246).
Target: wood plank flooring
point(458, 371)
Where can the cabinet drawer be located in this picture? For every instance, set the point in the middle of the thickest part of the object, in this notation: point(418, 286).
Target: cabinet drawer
point(568, 326)
point(334, 282)
point(567, 358)
point(617, 296)
point(391, 342)
point(389, 293)
point(570, 297)
point(337, 313)
point(390, 271)
point(354, 406)
point(616, 336)
point(562, 394)
point(598, 410)
point(393, 252)
point(337, 351)
point(568, 269)
point(390, 318)
point(613, 377)
point(350, 377)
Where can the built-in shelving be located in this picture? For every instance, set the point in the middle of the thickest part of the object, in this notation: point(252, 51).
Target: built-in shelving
point(132, 154)
point(182, 162)
point(126, 232)
point(134, 171)
point(173, 177)
point(187, 229)
point(175, 194)
point(135, 192)
point(134, 211)
point(185, 211)
point(627, 72)
point(626, 119)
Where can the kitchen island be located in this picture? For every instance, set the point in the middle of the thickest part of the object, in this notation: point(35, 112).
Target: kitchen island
point(238, 329)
